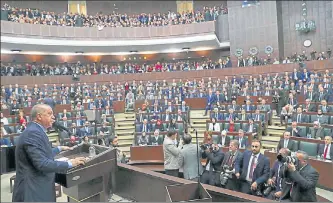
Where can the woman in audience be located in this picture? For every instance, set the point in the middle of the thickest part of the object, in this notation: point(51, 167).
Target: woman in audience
point(231, 127)
point(172, 125)
point(85, 140)
point(213, 126)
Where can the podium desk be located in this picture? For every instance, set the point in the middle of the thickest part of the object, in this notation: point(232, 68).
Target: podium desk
point(324, 169)
point(90, 182)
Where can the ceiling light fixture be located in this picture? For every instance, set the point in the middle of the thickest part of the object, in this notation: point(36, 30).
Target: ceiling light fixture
point(186, 48)
point(16, 50)
point(79, 52)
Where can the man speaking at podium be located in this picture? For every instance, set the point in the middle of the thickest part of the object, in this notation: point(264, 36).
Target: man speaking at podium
point(35, 164)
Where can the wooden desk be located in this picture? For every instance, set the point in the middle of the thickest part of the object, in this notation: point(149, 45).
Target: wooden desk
point(324, 169)
point(146, 154)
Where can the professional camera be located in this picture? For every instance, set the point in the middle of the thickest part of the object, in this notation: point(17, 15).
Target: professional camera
point(268, 189)
point(286, 160)
point(206, 146)
point(275, 99)
point(225, 175)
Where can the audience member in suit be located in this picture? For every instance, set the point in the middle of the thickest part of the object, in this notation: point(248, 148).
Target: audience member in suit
point(295, 131)
point(190, 159)
point(303, 180)
point(251, 128)
point(324, 107)
point(215, 114)
point(143, 140)
point(286, 114)
point(317, 132)
point(322, 119)
point(145, 126)
point(172, 125)
point(211, 174)
point(234, 106)
point(141, 116)
point(74, 131)
point(322, 95)
point(326, 150)
point(275, 180)
point(156, 139)
point(243, 141)
point(224, 139)
point(231, 115)
point(309, 107)
point(292, 101)
point(183, 107)
point(172, 154)
point(248, 106)
point(299, 117)
point(286, 142)
point(14, 108)
point(86, 130)
point(78, 121)
point(213, 126)
point(50, 101)
point(167, 116)
point(104, 130)
point(35, 164)
point(211, 99)
point(257, 116)
point(243, 116)
point(252, 169)
point(229, 160)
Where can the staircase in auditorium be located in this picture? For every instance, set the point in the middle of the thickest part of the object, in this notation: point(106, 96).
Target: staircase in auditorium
point(274, 132)
point(124, 130)
point(198, 121)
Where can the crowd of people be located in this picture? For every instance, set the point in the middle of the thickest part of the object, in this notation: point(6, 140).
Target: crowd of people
point(114, 19)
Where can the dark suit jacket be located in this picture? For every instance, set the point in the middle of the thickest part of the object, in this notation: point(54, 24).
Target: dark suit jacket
point(298, 134)
point(244, 143)
point(304, 188)
point(237, 155)
point(216, 159)
point(226, 142)
point(154, 141)
point(35, 166)
point(274, 173)
point(291, 145)
point(321, 150)
point(260, 173)
point(304, 118)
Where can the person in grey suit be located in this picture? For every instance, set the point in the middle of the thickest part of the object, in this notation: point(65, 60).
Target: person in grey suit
point(317, 132)
point(229, 160)
point(35, 164)
point(303, 181)
point(190, 159)
point(286, 142)
point(171, 154)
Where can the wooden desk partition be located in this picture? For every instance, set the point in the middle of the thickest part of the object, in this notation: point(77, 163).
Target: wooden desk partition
point(324, 169)
point(146, 154)
point(196, 103)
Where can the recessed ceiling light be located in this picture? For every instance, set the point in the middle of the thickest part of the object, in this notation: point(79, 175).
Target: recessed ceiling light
point(189, 57)
point(79, 52)
point(133, 51)
point(186, 48)
point(16, 50)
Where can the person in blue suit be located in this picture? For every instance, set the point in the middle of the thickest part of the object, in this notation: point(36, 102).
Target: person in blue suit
point(35, 164)
point(252, 169)
point(211, 100)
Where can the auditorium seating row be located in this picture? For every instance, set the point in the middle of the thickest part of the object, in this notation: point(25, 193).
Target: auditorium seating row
point(306, 129)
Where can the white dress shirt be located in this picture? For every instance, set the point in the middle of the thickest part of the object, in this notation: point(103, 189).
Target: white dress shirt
point(328, 151)
point(216, 127)
point(249, 166)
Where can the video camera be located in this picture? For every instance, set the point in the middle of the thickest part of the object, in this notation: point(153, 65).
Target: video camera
point(225, 175)
point(268, 189)
point(286, 160)
point(206, 146)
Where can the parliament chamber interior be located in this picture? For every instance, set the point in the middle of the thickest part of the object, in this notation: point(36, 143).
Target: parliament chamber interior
point(227, 101)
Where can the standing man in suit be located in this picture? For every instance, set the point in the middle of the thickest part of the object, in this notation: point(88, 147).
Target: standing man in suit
point(230, 159)
point(252, 169)
point(326, 150)
point(210, 101)
point(35, 164)
point(287, 143)
point(303, 181)
point(171, 154)
point(211, 174)
point(190, 159)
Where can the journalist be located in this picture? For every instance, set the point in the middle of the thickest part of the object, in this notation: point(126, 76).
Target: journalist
point(302, 180)
point(274, 184)
point(228, 178)
point(214, 156)
point(190, 159)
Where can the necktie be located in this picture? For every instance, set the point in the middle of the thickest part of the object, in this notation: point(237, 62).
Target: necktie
point(310, 95)
point(321, 94)
point(253, 166)
point(230, 160)
point(299, 118)
point(144, 128)
point(230, 117)
point(213, 127)
point(325, 152)
point(257, 119)
point(285, 143)
point(240, 142)
point(291, 102)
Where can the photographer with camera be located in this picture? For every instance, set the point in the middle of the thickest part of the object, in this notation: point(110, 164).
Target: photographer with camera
point(301, 179)
point(273, 186)
point(228, 178)
point(252, 169)
point(214, 155)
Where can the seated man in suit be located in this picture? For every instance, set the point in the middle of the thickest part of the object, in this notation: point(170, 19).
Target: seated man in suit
point(292, 101)
point(170, 107)
point(294, 130)
point(243, 116)
point(286, 113)
point(224, 139)
point(264, 106)
point(155, 108)
point(248, 106)
point(5, 142)
point(141, 116)
point(286, 142)
point(156, 139)
point(258, 117)
point(231, 115)
point(324, 107)
point(229, 160)
point(243, 141)
point(322, 119)
point(143, 140)
point(145, 126)
point(303, 180)
point(183, 107)
point(215, 114)
point(234, 106)
point(317, 132)
point(252, 169)
point(167, 117)
point(251, 128)
point(275, 180)
point(309, 107)
point(211, 174)
point(78, 121)
point(180, 116)
point(86, 130)
point(326, 150)
point(299, 117)
point(104, 130)
point(74, 131)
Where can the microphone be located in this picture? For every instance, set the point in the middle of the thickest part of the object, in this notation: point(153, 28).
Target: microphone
point(59, 126)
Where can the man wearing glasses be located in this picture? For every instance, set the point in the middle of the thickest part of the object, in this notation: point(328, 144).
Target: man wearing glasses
point(252, 169)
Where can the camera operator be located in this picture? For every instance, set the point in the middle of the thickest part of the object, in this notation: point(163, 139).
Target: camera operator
point(214, 155)
point(274, 184)
point(228, 178)
point(302, 180)
point(252, 170)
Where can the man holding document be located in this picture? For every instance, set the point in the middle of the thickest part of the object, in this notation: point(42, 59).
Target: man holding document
point(35, 164)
